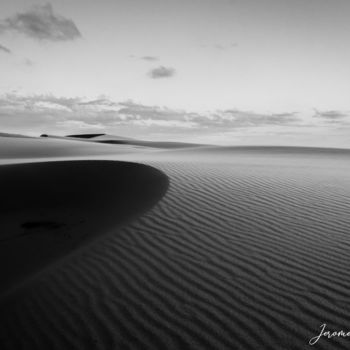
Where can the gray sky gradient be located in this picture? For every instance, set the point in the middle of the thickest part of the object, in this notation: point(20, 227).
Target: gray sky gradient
point(233, 71)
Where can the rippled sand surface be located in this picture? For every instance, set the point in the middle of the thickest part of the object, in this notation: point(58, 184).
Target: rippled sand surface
point(248, 249)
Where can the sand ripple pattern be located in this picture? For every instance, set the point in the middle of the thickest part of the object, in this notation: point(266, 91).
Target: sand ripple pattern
point(237, 255)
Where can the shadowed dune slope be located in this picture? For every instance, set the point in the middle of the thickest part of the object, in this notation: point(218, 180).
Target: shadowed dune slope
point(49, 209)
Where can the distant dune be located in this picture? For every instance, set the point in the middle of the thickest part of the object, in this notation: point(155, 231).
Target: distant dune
point(34, 148)
point(247, 249)
point(86, 136)
point(117, 140)
point(3, 134)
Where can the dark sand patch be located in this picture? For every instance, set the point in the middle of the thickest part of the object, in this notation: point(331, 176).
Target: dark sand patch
point(49, 209)
point(50, 225)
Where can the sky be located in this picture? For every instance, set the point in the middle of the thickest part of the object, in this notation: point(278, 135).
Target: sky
point(269, 72)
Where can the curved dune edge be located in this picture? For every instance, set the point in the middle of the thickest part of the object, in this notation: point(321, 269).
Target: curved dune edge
point(50, 209)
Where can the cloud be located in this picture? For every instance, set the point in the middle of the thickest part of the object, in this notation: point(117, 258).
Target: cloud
point(41, 23)
point(5, 49)
point(218, 119)
point(37, 114)
point(331, 115)
point(139, 111)
point(48, 112)
point(164, 123)
point(104, 110)
point(161, 72)
point(250, 119)
point(145, 58)
point(150, 58)
point(62, 115)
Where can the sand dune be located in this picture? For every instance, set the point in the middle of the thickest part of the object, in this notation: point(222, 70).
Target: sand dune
point(14, 148)
point(100, 137)
point(248, 249)
point(118, 140)
point(3, 134)
point(52, 208)
point(34, 148)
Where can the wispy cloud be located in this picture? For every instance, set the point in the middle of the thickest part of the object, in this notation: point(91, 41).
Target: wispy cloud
point(40, 22)
point(150, 58)
point(146, 58)
point(331, 115)
point(60, 115)
point(220, 119)
point(161, 72)
point(52, 111)
point(246, 119)
point(5, 49)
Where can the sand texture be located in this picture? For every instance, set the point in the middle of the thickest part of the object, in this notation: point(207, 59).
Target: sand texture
point(230, 248)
